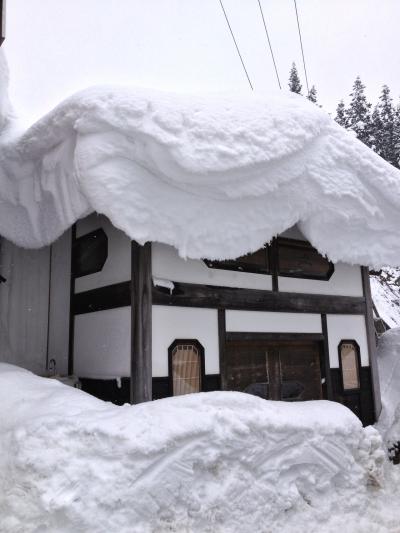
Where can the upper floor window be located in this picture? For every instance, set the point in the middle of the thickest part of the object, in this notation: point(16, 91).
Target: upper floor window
point(298, 259)
point(349, 360)
point(89, 253)
point(285, 257)
point(256, 262)
point(186, 363)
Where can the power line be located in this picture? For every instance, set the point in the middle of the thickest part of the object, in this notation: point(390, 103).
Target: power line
point(270, 46)
point(301, 45)
point(237, 48)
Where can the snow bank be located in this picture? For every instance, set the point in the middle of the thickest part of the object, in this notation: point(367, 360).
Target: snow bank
point(205, 462)
point(389, 376)
point(213, 175)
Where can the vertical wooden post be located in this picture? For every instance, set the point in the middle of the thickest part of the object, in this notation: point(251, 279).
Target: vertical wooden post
point(369, 322)
point(71, 307)
point(141, 318)
point(222, 344)
point(327, 364)
point(2, 21)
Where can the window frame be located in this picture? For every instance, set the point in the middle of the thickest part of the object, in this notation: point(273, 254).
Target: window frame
point(296, 243)
point(358, 359)
point(77, 242)
point(249, 268)
point(200, 349)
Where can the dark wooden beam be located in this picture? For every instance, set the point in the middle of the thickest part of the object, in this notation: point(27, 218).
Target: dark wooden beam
point(222, 345)
point(272, 337)
point(193, 295)
point(326, 359)
point(109, 297)
point(141, 298)
point(369, 323)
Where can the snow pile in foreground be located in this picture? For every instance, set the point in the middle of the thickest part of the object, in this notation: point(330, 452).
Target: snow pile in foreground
point(389, 377)
point(206, 462)
point(213, 175)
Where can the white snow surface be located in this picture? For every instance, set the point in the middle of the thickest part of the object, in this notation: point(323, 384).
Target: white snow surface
point(217, 462)
point(389, 377)
point(214, 175)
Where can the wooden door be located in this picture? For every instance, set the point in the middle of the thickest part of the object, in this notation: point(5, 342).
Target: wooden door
point(287, 371)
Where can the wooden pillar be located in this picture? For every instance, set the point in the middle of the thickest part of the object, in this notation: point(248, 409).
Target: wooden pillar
point(222, 345)
point(141, 306)
point(326, 358)
point(2, 21)
point(369, 322)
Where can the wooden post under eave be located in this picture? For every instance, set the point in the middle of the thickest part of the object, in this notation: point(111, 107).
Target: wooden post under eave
point(2, 21)
point(369, 322)
point(141, 307)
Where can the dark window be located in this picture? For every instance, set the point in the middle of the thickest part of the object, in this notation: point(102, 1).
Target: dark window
point(89, 253)
point(186, 367)
point(349, 360)
point(299, 259)
point(257, 262)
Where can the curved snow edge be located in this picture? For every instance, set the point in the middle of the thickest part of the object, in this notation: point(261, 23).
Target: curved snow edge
point(215, 176)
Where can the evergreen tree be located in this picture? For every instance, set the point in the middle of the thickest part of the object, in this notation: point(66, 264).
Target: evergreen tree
point(376, 127)
point(386, 147)
point(312, 95)
point(358, 117)
point(294, 80)
point(341, 114)
point(397, 134)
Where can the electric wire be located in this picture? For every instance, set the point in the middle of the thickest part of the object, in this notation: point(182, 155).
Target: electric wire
point(237, 47)
point(301, 46)
point(269, 43)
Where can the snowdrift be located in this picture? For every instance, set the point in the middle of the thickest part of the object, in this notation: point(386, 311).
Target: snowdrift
point(205, 462)
point(213, 175)
point(389, 376)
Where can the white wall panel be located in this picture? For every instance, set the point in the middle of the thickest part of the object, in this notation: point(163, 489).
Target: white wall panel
point(117, 267)
point(350, 327)
point(166, 264)
point(170, 323)
point(24, 299)
point(102, 343)
point(345, 281)
point(269, 322)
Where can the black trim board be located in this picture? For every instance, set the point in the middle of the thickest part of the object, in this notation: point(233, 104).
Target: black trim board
point(194, 295)
point(272, 337)
point(109, 297)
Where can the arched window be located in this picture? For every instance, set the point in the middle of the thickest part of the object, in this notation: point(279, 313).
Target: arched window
point(186, 367)
point(349, 360)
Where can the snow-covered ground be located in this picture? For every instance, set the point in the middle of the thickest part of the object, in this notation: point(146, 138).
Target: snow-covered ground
point(217, 462)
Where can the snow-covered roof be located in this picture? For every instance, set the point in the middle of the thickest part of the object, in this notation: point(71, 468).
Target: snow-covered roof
point(214, 175)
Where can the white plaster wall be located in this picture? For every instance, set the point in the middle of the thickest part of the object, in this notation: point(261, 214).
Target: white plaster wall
point(24, 299)
point(102, 343)
point(170, 323)
point(166, 264)
point(345, 281)
point(350, 327)
point(60, 282)
point(117, 267)
point(269, 322)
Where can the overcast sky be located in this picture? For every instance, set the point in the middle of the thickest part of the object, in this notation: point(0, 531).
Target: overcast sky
point(56, 47)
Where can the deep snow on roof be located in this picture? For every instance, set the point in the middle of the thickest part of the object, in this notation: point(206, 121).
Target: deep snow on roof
point(214, 175)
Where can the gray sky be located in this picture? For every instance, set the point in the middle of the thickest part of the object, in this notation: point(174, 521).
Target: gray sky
point(56, 47)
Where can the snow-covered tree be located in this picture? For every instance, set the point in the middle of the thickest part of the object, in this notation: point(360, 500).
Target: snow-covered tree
point(397, 134)
point(358, 116)
point(376, 127)
point(341, 114)
point(294, 80)
point(312, 95)
point(384, 127)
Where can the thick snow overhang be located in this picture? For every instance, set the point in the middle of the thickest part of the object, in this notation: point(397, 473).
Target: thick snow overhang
point(213, 175)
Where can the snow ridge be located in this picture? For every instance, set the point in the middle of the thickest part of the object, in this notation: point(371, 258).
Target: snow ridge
point(215, 176)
